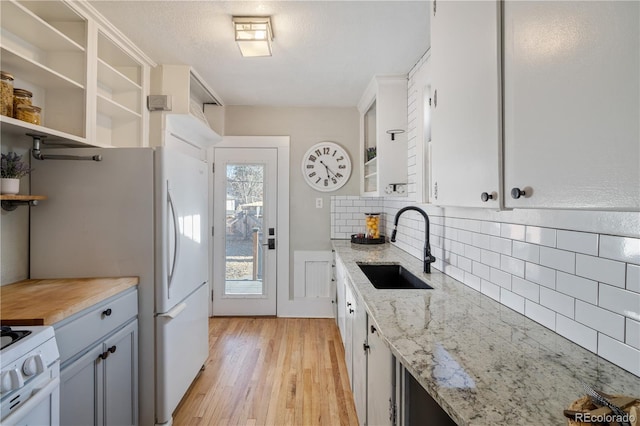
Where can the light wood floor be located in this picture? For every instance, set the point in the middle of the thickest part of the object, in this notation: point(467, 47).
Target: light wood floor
point(272, 372)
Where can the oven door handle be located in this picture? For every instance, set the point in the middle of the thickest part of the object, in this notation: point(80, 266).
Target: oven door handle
point(33, 402)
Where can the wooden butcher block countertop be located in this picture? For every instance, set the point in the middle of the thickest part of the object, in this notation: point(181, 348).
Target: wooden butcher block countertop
point(46, 302)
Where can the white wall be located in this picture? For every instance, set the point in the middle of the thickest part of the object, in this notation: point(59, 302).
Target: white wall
point(309, 227)
point(14, 227)
point(575, 272)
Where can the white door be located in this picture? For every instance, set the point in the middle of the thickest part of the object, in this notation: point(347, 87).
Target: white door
point(245, 231)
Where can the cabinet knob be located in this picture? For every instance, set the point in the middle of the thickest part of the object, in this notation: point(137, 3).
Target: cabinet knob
point(485, 196)
point(103, 355)
point(350, 311)
point(107, 312)
point(366, 347)
point(517, 193)
point(373, 329)
point(112, 349)
point(348, 303)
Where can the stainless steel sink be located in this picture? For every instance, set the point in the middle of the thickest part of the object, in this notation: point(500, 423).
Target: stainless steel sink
point(392, 276)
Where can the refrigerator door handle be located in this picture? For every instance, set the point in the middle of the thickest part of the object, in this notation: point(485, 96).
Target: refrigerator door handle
point(174, 312)
point(176, 238)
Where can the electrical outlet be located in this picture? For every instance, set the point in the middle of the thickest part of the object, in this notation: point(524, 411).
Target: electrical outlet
point(318, 203)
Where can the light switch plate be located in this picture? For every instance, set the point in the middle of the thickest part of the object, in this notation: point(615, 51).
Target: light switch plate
point(318, 203)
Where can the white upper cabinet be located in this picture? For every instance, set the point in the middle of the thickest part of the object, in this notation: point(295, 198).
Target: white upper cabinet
point(572, 109)
point(383, 137)
point(466, 104)
point(90, 84)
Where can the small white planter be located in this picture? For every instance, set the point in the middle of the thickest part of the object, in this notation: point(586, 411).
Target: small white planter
point(9, 186)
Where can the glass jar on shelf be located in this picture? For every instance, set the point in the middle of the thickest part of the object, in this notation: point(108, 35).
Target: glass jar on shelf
point(6, 93)
point(21, 97)
point(28, 113)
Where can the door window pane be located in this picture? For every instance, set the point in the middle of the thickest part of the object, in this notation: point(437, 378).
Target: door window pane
point(244, 223)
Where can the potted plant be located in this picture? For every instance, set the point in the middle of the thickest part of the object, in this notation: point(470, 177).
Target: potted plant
point(11, 170)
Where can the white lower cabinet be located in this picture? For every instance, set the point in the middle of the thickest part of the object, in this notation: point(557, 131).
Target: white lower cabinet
point(380, 380)
point(99, 382)
point(359, 371)
point(384, 392)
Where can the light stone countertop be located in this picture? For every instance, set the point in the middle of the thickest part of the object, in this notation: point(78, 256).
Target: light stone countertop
point(484, 363)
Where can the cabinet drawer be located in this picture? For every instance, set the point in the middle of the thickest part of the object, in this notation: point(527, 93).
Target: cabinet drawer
point(81, 330)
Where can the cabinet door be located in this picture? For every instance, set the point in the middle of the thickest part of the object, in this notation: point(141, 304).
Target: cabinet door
point(81, 390)
point(466, 135)
point(348, 335)
point(380, 385)
point(572, 102)
point(121, 377)
point(360, 359)
point(340, 298)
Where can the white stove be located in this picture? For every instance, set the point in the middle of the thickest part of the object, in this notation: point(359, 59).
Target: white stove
point(29, 376)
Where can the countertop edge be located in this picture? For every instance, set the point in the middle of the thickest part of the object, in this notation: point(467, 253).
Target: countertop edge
point(100, 289)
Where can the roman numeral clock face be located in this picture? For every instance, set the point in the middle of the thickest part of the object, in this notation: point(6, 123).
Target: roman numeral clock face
point(326, 166)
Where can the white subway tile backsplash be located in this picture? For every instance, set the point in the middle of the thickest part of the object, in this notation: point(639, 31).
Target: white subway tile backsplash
point(512, 265)
point(514, 232)
point(632, 337)
point(576, 332)
point(483, 271)
point(620, 248)
point(472, 253)
point(557, 302)
point(540, 314)
point(526, 251)
point(465, 264)
point(490, 258)
point(580, 288)
point(501, 278)
point(501, 245)
point(465, 236)
point(491, 228)
point(558, 259)
point(481, 241)
point(526, 289)
point(542, 236)
point(512, 300)
point(600, 319)
point(540, 275)
point(489, 289)
point(623, 302)
point(633, 278)
point(472, 281)
point(617, 352)
point(603, 270)
point(580, 242)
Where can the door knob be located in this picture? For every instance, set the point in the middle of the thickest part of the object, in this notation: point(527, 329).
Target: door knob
point(517, 193)
point(271, 243)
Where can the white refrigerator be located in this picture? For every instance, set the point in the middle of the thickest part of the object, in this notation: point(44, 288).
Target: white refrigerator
point(142, 212)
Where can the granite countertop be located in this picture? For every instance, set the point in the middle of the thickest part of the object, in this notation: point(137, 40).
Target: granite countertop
point(48, 301)
point(484, 363)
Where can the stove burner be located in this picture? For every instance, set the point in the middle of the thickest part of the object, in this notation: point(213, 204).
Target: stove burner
point(9, 336)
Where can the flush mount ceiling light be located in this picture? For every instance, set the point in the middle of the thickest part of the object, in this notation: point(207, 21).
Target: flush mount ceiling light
point(253, 35)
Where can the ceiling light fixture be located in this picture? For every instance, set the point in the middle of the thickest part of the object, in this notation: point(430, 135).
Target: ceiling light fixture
point(253, 35)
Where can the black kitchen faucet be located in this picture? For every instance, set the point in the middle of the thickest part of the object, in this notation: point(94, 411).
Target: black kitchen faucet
point(428, 258)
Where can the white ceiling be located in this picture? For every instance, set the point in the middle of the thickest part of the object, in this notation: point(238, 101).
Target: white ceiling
point(324, 52)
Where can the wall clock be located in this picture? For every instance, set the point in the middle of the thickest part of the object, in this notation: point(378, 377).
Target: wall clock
point(326, 166)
